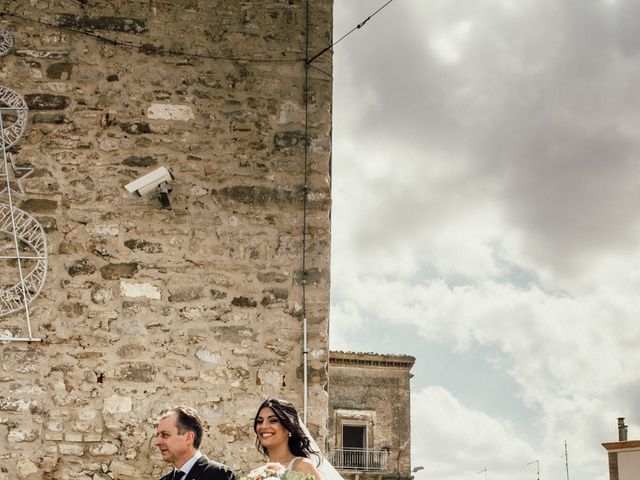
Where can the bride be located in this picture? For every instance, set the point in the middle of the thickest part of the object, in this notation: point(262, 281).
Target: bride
point(281, 438)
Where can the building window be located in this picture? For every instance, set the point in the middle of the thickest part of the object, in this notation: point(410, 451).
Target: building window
point(355, 442)
point(354, 436)
point(354, 446)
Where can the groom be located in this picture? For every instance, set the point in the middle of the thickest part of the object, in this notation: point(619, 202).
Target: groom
point(178, 438)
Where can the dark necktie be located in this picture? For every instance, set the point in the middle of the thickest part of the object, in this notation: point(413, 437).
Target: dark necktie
point(177, 474)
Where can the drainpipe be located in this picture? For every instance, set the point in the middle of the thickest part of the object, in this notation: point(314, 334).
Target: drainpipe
point(304, 357)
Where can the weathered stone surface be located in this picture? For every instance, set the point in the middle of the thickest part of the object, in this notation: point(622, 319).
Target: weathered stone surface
point(25, 468)
point(136, 128)
point(116, 271)
point(60, 70)
point(49, 224)
point(194, 305)
point(81, 267)
point(137, 290)
point(72, 449)
point(38, 205)
point(312, 276)
point(256, 195)
point(274, 295)
point(269, 277)
point(143, 246)
point(72, 309)
point(101, 295)
point(185, 294)
point(161, 111)
point(56, 118)
point(20, 359)
point(123, 469)
point(46, 101)
point(244, 302)
point(285, 140)
point(21, 435)
point(101, 230)
point(103, 449)
point(209, 357)
point(115, 24)
point(135, 372)
point(217, 294)
point(117, 404)
point(139, 161)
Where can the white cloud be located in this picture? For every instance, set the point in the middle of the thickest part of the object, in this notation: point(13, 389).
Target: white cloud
point(486, 186)
point(455, 442)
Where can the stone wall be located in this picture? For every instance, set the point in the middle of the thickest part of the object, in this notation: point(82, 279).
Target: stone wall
point(144, 308)
point(372, 391)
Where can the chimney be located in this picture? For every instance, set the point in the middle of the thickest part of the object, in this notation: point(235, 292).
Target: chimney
point(622, 430)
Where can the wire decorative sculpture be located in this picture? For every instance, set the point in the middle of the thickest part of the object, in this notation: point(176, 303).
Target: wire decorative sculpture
point(6, 42)
point(23, 243)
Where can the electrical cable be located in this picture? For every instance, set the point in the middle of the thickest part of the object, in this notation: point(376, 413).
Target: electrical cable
point(360, 25)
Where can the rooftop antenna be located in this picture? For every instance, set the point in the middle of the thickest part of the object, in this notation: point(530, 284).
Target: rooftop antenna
point(485, 473)
point(537, 462)
point(566, 458)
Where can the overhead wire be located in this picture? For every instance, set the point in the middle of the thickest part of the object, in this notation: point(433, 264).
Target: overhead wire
point(357, 27)
point(151, 49)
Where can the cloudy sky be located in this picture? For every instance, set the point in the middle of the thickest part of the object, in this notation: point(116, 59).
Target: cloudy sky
point(486, 187)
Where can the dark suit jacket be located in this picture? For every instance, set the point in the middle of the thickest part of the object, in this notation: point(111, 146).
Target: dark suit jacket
point(205, 469)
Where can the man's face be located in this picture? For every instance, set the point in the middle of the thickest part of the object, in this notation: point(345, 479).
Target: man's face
point(175, 448)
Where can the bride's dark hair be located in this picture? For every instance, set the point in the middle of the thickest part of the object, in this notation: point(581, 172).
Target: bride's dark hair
point(299, 443)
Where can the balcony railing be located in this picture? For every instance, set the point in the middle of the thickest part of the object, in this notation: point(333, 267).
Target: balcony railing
point(363, 459)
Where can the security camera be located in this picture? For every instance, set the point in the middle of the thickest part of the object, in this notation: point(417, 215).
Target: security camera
point(149, 182)
point(155, 180)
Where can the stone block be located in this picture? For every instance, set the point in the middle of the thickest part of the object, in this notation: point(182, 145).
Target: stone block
point(54, 118)
point(19, 435)
point(136, 128)
point(285, 140)
point(139, 290)
point(38, 205)
point(139, 161)
point(273, 277)
point(103, 449)
point(101, 295)
point(274, 295)
point(25, 468)
point(73, 437)
point(117, 271)
point(185, 294)
point(54, 436)
point(209, 357)
point(135, 372)
point(81, 267)
point(46, 101)
point(60, 70)
point(122, 469)
point(138, 245)
point(243, 302)
point(71, 449)
point(162, 111)
point(72, 309)
point(117, 404)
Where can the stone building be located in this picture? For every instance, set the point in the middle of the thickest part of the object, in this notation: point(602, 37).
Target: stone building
point(624, 455)
point(143, 307)
point(369, 433)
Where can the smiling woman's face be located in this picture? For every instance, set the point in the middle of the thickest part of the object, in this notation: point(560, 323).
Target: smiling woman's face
point(271, 433)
